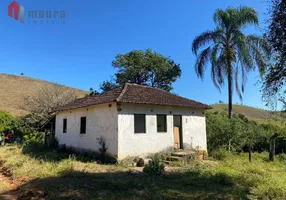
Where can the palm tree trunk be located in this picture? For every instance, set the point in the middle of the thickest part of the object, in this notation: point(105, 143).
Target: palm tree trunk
point(229, 91)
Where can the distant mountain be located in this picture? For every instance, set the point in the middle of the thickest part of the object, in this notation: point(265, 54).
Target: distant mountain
point(256, 114)
point(14, 90)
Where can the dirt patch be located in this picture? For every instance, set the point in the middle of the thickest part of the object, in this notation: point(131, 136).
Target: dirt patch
point(6, 176)
point(14, 193)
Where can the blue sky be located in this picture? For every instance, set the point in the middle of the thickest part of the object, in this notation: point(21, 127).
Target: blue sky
point(79, 53)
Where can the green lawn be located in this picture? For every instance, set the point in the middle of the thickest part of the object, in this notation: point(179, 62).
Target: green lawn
point(62, 176)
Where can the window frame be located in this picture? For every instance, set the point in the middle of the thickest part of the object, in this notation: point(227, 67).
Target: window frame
point(65, 125)
point(165, 124)
point(85, 125)
point(144, 132)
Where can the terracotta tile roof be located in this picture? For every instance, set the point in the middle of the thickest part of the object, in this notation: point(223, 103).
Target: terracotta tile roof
point(133, 93)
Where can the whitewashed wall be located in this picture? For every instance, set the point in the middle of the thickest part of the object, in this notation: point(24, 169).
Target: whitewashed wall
point(101, 121)
point(131, 144)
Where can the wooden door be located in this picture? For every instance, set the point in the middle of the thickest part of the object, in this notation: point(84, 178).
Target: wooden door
point(177, 138)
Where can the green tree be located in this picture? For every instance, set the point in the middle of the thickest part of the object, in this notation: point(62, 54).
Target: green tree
point(92, 92)
point(223, 133)
point(144, 67)
point(6, 121)
point(253, 134)
point(275, 79)
point(238, 133)
point(108, 85)
point(231, 52)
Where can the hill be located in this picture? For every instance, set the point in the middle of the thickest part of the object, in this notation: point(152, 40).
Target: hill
point(256, 114)
point(14, 90)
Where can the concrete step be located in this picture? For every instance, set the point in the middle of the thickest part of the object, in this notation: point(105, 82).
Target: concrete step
point(168, 162)
point(174, 158)
point(182, 154)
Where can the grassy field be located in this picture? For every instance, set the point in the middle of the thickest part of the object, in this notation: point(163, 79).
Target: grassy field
point(60, 176)
point(14, 90)
point(256, 114)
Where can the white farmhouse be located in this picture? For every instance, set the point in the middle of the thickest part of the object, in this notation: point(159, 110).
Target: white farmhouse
point(134, 120)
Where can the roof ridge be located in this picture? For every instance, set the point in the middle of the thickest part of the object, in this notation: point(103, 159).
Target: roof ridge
point(148, 86)
point(124, 88)
point(135, 93)
point(135, 84)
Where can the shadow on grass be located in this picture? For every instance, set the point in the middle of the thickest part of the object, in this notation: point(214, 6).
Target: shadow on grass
point(51, 154)
point(75, 185)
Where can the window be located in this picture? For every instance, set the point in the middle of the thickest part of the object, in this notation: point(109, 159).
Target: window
point(82, 125)
point(64, 125)
point(140, 123)
point(161, 123)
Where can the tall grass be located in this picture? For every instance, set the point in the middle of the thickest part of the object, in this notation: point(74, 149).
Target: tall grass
point(230, 178)
point(32, 167)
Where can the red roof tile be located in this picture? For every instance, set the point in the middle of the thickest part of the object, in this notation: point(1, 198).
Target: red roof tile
point(133, 93)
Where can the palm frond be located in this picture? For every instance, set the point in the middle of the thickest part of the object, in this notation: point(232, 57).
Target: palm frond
point(237, 83)
point(202, 61)
point(243, 78)
point(261, 43)
point(259, 59)
point(223, 18)
point(203, 39)
point(242, 50)
point(247, 16)
point(214, 71)
point(220, 68)
point(219, 17)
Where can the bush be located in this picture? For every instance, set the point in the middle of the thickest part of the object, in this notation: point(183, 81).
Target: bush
point(219, 154)
point(34, 138)
point(103, 149)
point(282, 157)
point(154, 167)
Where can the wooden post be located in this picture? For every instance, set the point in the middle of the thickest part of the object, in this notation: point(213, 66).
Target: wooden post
point(249, 153)
point(45, 138)
point(272, 147)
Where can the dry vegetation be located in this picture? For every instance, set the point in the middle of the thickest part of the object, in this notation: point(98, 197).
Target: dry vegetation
point(60, 176)
point(15, 89)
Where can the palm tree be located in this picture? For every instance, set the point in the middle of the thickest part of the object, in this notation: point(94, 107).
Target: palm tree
point(230, 52)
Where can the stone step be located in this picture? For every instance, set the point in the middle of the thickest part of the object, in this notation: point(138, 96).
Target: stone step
point(168, 162)
point(182, 154)
point(174, 158)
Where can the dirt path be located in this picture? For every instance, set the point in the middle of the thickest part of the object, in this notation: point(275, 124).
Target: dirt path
point(14, 193)
point(6, 178)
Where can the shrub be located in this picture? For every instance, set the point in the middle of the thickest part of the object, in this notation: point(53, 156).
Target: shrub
point(219, 154)
point(282, 157)
point(154, 167)
point(34, 137)
point(103, 149)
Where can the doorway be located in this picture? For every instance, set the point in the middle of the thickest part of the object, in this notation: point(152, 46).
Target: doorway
point(178, 139)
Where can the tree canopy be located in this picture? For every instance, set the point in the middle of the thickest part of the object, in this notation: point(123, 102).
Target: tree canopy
point(144, 67)
point(275, 79)
point(230, 52)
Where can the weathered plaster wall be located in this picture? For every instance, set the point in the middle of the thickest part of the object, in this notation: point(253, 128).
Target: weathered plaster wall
point(131, 144)
point(101, 121)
